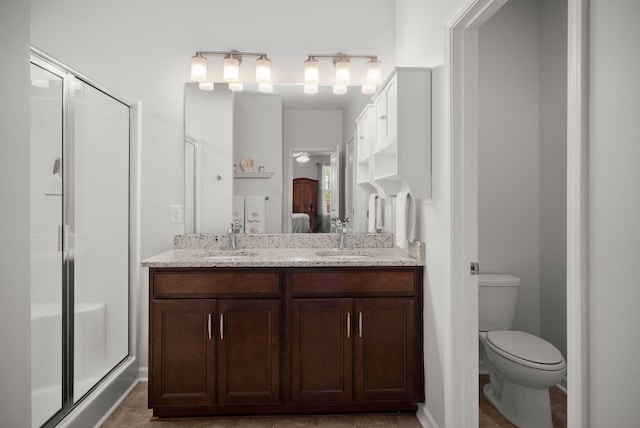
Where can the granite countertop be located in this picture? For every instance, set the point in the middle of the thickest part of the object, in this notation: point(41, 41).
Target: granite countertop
point(283, 257)
point(293, 250)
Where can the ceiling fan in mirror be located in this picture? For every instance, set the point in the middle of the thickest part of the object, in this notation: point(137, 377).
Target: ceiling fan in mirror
point(301, 157)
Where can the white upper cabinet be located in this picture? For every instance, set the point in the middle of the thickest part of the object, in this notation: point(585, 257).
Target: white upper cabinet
point(386, 105)
point(401, 158)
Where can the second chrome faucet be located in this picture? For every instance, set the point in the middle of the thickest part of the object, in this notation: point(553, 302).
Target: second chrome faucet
point(233, 229)
point(341, 227)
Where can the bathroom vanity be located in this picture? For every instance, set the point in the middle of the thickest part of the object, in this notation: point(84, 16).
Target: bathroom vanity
point(276, 331)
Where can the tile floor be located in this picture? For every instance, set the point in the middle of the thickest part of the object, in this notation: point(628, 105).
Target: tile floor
point(133, 413)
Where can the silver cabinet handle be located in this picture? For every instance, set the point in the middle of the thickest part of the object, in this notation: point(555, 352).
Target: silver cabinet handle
point(221, 326)
point(209, 326)
point(360, 324)
point(348, 324)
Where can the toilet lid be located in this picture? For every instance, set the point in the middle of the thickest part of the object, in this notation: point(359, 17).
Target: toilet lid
point(524, 346)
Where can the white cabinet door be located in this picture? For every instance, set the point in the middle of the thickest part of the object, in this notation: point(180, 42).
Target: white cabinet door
point(387, 115)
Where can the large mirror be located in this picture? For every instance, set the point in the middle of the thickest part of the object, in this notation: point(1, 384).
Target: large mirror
point(273, 161)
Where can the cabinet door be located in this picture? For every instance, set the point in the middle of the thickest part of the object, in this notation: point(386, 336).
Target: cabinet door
point(322, 350)
point(387, 115)
point(385, 349)
point(249, 351)
point(182, 353)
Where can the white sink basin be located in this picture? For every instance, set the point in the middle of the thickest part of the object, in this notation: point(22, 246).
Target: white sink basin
point(345, 254)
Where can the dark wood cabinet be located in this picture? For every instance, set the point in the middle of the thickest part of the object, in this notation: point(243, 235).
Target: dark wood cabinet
point(322, 351)
point(182, 356)
point(285, 340)
point(360, 349)
point(385, 349)
point(249, 352)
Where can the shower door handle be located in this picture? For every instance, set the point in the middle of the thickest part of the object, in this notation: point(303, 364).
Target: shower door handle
point(63, 237)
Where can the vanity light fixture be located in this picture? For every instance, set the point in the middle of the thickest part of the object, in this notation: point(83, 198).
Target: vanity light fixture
point(231, 68)
point(342, 63)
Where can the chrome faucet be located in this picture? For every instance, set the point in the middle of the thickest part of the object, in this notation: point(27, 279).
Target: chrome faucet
point(341, 227)
point(235, 228)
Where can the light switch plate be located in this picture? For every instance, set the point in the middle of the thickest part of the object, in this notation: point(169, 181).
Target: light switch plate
point(176, 214)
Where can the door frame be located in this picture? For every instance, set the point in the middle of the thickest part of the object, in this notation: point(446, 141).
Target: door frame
point(461, 59)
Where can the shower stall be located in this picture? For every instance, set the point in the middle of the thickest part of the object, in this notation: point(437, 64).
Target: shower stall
point(80, 191)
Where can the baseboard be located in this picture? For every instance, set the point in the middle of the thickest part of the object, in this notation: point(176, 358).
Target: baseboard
point(143, 374)
point(563, 384)
point(425, 418)
point(93, 410)
point(116, 404)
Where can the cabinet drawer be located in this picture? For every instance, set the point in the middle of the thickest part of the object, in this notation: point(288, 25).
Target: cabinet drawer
point(396, 281)
point(215, 283)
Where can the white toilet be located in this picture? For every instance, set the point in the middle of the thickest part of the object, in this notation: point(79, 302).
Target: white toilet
point(521, 366)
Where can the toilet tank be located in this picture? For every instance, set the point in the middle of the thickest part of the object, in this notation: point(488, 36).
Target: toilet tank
point(497, 301)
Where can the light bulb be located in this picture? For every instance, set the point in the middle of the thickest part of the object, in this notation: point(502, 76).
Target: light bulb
point(236, 86)
point(339, 89)
point(343, 72)
point(311, 71)
point(231, 72)
point(310, 88)
point(263, 70)
point(374, 72)
point(368, 89)
point(265, 87)
point(206, 86)
point(198, 68)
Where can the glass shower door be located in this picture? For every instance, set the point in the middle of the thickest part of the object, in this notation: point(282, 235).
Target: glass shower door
point(47, 293)
point(99, 234)
point(79, 240)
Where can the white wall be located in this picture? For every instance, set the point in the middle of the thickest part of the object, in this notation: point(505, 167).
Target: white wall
point(257, 133)
point(614, 210)
point(553, 172)
point(508, 160)
point(420, 34)
point(15, 368)
point(523, 154)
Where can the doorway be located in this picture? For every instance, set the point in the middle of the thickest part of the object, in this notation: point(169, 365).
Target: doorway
point(466, 128)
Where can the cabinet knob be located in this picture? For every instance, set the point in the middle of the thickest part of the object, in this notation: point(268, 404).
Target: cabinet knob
point(348, 324)
point(383, 117)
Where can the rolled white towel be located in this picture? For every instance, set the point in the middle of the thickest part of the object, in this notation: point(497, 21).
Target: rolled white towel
point(373, 209)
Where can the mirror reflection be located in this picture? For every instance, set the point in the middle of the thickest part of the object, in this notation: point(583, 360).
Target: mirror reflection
point(272, 161)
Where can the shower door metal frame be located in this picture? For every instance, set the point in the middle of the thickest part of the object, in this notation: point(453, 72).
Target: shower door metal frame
point(69, 78)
